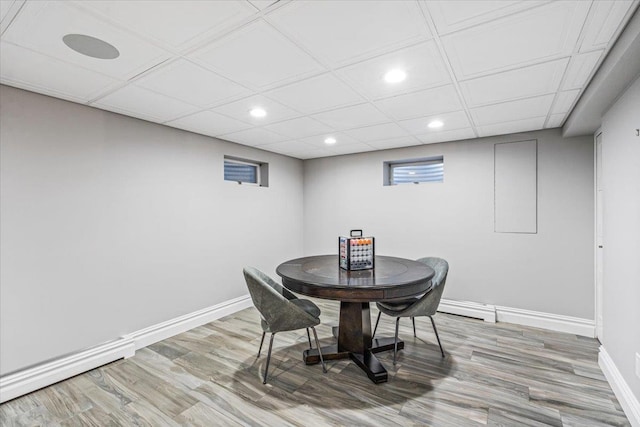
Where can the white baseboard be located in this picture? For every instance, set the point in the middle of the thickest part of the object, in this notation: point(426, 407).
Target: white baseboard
point(42, 375)
point(34, 378)
point(537, 319)
point(30, 379)
point(553, 322)
point(469, 309)
point(629, 402)
point(164, 330)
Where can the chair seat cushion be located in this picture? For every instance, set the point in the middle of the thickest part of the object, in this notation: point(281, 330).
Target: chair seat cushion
point(396, 306)
point(307, 306)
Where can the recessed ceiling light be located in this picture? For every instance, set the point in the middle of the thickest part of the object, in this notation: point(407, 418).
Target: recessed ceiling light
point(395, 76)
point(258, 112)
point(435, 124)
point(330, 140)
point(90, 46)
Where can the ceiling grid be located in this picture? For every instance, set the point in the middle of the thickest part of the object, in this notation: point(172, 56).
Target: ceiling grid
point(476, 68)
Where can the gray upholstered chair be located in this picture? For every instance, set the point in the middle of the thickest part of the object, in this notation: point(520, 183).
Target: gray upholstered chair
point(280, 310)
point(425, 305)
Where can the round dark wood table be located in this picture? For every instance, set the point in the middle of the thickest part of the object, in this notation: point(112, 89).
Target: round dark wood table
point(391, 279)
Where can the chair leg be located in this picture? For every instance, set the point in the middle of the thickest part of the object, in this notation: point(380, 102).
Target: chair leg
point(261, 341)
point(266, 369)
point(309, 336)
point(413, 320)
point(395, 343)
point(437, 337)
point(376, 327)
point(315, 335)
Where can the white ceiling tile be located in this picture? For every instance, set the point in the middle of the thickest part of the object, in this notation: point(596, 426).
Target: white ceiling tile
point(446, 135)
point(41, 25)
point(423, 103)
point(404, 141)
point(564, 101)
point(539, 34)
point(580, 68)
point(175, 23)
point(297, 149)
point(515, 126)
point(142, 116)
point(604, 19)
point(8, 10)
point(23, 68)
point(318, 140)
point(352, 117)
point(314, 153)
point(422, 63)
point(450, 121)
point(358, 147)
point(450, 16)
point(342, 31)
point(257, 56)
point(512, 110)
point(191, 83)
point(262, 4)
point(316, 94)
point(376, 132)
point(286, 147)
point(208, 123)
point(5, 5)
point(144, 103)
point(555, 120)
point(299, 128)
point(254, 137)
point(239, 110)
point(540, 79)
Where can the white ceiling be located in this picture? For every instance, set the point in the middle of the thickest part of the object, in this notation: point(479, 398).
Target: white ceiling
point(481, 67)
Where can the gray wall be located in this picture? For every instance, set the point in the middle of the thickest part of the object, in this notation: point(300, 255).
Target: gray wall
point(111, 224)
point(551, 271)
point(621, 233)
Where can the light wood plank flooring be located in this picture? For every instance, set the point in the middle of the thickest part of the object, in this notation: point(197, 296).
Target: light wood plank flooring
point(494, 374)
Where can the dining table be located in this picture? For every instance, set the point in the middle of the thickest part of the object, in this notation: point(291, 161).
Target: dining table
point(392, 279)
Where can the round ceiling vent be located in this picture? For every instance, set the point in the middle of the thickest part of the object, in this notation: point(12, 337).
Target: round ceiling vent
point(91, 46)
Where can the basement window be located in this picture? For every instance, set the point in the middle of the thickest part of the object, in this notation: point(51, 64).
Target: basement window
point(245, 171)
point(414, 171)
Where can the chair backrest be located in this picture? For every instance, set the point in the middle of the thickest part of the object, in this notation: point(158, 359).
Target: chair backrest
point(440, 266)
point(276, 310)
point(428, 304)
point(275, 285)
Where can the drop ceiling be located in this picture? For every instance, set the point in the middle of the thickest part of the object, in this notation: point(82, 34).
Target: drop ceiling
point(317, 68)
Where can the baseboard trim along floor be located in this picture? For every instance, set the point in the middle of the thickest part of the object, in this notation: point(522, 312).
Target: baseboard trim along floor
point(47, 373)
point(537, 319)
point(492, 374)
point(36, 377)
point(42, 375)
point(621, 389)
point(475, 310)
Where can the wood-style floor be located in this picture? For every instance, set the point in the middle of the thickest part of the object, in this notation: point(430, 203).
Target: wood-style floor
point(494, 374)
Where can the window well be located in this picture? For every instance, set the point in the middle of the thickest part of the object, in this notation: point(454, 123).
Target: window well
point(244, 171)
point(414, 171)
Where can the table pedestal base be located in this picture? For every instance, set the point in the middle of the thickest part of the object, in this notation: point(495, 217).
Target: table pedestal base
point(354, 341)
point(367, 361)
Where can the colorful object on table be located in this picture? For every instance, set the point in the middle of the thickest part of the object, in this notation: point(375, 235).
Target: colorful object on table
point(356, 252)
